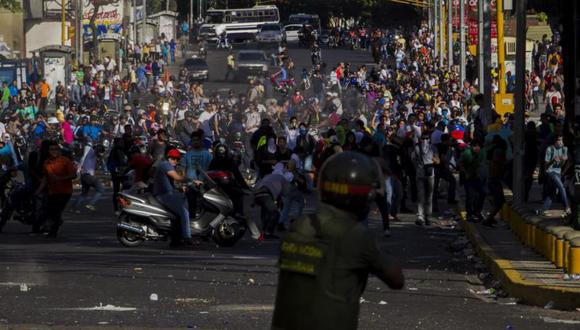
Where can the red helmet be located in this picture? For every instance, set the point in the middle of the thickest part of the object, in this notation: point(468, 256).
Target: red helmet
point(174, 153)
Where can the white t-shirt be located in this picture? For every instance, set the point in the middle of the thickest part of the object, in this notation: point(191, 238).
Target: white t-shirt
point(253, 121)
point(180, 114)
point(89, 161)
point(107, 92)
point(169, 87)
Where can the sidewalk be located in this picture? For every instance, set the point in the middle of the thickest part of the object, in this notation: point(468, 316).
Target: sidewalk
point(526, 254)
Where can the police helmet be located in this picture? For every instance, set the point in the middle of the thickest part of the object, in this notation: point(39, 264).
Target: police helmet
point(348, 181)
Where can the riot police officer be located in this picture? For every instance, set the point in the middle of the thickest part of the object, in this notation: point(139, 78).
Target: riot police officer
point(325, 258)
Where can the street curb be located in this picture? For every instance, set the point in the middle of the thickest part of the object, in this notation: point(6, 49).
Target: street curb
point(513, 282)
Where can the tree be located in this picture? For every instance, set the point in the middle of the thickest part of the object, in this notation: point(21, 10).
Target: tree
point(155, 6)
point(12, 5)
point(97, 4)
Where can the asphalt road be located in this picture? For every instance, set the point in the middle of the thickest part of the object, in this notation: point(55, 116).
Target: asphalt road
point(86, 279)
point(216, 60)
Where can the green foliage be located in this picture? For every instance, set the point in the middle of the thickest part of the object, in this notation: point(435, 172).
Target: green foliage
point(155, 6)
point(542, 17)
point(12, 5)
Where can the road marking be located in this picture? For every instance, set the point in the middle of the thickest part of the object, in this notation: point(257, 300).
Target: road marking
point(552, 320)
point(249, 257)
point(17, 284)
point(107, 308)
point(193, 300)
point(243, 308)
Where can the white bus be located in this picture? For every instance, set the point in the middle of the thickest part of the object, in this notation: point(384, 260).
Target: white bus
point(305, 19)
point(239, 24)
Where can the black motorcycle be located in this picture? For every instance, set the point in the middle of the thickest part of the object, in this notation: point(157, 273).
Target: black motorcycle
point(18, 201)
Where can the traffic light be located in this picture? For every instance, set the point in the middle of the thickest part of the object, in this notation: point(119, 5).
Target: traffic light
point(71, 32)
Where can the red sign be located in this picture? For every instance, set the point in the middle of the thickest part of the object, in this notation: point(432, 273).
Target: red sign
point(473, 31)
point(494, 29)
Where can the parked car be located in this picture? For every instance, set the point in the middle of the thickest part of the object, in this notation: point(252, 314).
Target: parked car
point(292, 31)
point(251, 63)
point(207, 33)
point(197, 68)
point(270, 33)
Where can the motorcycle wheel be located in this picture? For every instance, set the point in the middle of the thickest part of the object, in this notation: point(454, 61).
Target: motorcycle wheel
point(129, 239)
point(228, 233)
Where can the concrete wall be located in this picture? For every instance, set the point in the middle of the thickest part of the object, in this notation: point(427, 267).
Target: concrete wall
point(167, 26)
point(12, 30)
point(40, 34)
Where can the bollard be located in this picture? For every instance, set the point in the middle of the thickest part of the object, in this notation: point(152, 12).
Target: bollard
point(569, 236)
point(574, 257)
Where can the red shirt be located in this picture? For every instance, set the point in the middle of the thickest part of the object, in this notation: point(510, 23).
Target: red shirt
point(339, 72)
point(140, 163)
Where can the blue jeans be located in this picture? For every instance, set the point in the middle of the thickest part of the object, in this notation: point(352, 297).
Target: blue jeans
point(293, 200)
point(177, 203)
point(556, 180)
point(87, 182)
point(142, 84)
point(308, 163)
point(118, 103)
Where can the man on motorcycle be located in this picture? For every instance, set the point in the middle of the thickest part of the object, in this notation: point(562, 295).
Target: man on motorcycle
point(197, 158)
point(164, 191)
point(223, 42)
point(280, 77)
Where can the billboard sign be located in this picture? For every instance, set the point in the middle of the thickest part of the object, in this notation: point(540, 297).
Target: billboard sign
point(109, 19)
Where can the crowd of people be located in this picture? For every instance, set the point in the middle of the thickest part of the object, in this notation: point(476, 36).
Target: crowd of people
point(426, 129)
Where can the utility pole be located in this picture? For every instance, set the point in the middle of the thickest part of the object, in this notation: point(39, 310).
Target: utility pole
point(62, 22)
point(144, 23)
point(134, 7)
point(75, 41)
point(200, 8)
point(79, 33)
point(500, 46)
point(518, 184)
point(570, 11)
point(462, 39)
point(487, 61)
point(435, 28)
point(190, 14)
point(449, 34)
point(441, 34)
point(480, 44)
point(430, 16)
